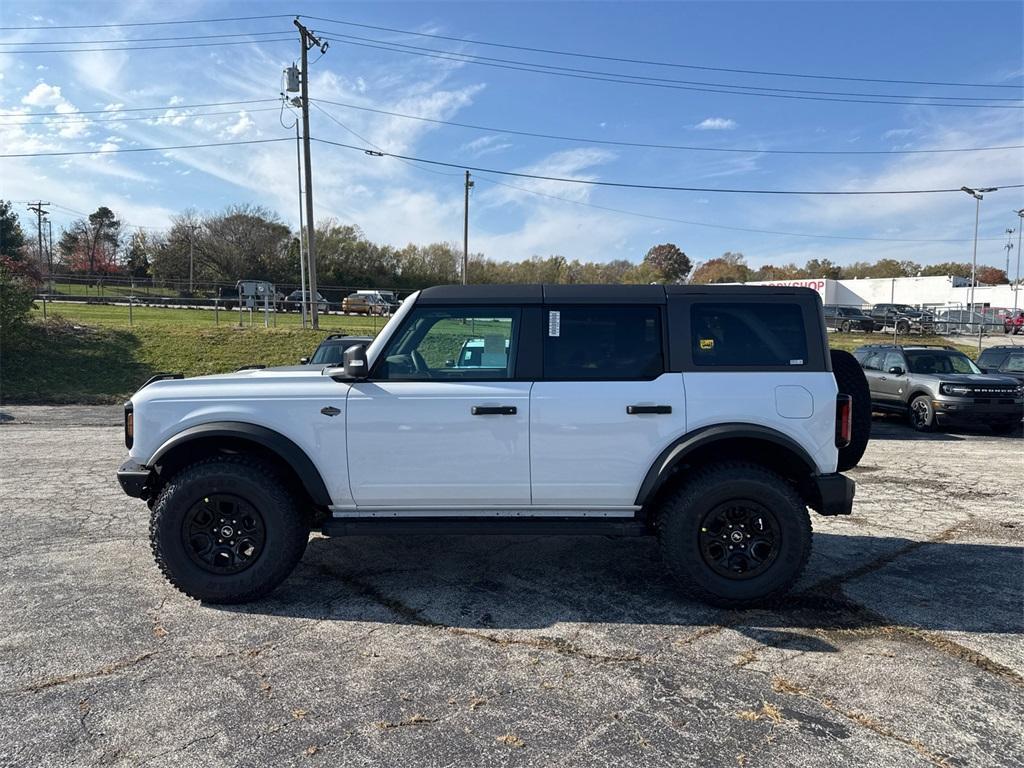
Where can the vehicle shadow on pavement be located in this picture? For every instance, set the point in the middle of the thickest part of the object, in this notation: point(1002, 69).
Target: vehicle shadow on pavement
point(896, 428)
point(507, 582)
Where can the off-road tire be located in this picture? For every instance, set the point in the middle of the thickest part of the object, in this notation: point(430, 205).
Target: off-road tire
point(679, 522)
point(902, 326)
point(286, 532)
point(921, 414)
point(851, 381)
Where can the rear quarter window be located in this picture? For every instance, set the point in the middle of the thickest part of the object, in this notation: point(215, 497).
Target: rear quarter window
point(748, 335)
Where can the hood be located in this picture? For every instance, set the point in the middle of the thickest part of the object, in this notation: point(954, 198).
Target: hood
point(977, 379)
point(286, 380)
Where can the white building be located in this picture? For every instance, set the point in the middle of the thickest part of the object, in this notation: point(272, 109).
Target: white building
point(940, 291)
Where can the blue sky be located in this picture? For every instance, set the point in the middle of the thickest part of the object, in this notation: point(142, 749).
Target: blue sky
point(398, 203)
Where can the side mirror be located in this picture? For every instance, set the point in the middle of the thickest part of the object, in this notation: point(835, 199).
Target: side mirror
point(355, 363)
point(303, 361)
point(896, 371)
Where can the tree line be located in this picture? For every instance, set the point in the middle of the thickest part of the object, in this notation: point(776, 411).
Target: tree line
point(251, 242)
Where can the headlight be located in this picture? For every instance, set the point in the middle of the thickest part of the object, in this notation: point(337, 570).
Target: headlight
point(955, 389)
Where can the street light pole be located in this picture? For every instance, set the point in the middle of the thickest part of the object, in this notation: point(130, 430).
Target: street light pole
point(978, 195)
point(465, 234)
point(1016, 282)
point(1008, 247)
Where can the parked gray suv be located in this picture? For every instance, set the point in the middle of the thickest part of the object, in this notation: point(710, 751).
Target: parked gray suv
point(939, 386)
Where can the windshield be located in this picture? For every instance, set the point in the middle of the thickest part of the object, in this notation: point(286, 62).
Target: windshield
point(940, 361)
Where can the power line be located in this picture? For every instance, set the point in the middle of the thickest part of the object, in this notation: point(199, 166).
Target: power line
point(150, 47)
point(142, 149)
point(138, 109)
point(660, 187)
point(724, 226)
point(95, 121)
point(372, 144)
point(532, 134)
point(151, 23)
point(141, 39)
point(742, 88)
point(623, 79)
point(649, 62)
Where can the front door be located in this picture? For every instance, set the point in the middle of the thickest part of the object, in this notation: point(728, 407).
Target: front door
point(441, 425)
point(604, 408)
point(890, 386)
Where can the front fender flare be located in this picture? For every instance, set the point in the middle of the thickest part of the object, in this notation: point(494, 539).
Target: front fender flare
point(273, 441)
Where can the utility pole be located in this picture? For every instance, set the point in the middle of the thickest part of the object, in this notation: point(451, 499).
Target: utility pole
point(1016, 283)
point(49, 254)
point(309, 40)
point(39, 209)
point(191, 256)
point(978, 196)
point(465, 233)
point(302, 260)
point(1008, 247)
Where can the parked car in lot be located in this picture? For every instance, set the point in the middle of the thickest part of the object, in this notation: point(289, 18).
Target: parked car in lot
point(1013, 321)
point(293, 302)
point(902, 317)
point(711, 417)
point(939, 386)
point(846, 319)
point(954, 321)
point(1005, 359)
point(365, 303)
point(332, 348)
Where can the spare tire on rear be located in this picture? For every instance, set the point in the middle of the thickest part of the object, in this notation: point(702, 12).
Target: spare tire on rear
point(851, 381)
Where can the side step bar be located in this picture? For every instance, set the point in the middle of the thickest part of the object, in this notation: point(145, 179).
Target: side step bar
point(464, 526)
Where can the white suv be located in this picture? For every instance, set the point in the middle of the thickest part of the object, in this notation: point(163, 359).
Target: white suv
point(706, 415)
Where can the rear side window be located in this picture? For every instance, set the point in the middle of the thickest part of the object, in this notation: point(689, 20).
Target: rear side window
point(603, 342)
point(748, 334)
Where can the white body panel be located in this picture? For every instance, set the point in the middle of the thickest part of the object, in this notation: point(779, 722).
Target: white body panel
point(417, 443)
point(585, 448)
point(755, 398)
point(287, 402)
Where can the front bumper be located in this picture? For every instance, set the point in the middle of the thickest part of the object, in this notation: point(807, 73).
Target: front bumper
point(134, 479)
point(834, 494)
point(966, 411)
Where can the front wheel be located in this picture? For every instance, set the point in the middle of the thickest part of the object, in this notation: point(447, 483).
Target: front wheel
point(922, 414)
point(735, 534)
point(226, 530)
point(844, 327)
point(902, 326)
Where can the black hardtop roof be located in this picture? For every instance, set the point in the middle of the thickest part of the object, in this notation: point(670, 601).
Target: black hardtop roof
point(604, 294)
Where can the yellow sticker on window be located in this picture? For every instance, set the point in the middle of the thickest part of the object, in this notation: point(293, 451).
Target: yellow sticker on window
point(707, 343)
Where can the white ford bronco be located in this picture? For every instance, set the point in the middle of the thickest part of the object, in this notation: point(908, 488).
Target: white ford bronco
point(709, 416)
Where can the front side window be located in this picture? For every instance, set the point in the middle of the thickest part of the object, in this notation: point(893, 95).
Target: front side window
point(1014, 363)
point(893, 360)
point(456, 343)
point(738, 334)
point(603, 342)
point(872, 362)
point(940, 361)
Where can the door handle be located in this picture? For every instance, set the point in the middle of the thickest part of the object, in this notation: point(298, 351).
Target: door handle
point(633, 410)
point(493, 410)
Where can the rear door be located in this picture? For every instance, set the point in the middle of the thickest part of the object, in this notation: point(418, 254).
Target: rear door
point(605, 405)
point(427, 434)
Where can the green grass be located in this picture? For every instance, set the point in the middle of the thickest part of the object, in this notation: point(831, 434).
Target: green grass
point(143, 317)
point(90, 289)
point(90, 355)
point(850, 341)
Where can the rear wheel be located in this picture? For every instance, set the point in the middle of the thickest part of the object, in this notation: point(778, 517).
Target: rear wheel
point(850, 380)
point(922, 414)
point(226, 530)
point(735, 534)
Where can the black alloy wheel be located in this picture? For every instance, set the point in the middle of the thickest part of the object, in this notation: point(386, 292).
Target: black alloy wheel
point(223, 533)
point(739, 539)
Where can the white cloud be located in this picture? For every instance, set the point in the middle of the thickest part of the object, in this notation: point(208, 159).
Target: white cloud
point(43, 95)
point(241, 127)
point(485, 145)
point(175, 101)
point(716, 124)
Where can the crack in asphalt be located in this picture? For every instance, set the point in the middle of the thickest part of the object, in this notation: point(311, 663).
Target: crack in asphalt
point(72, 677)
